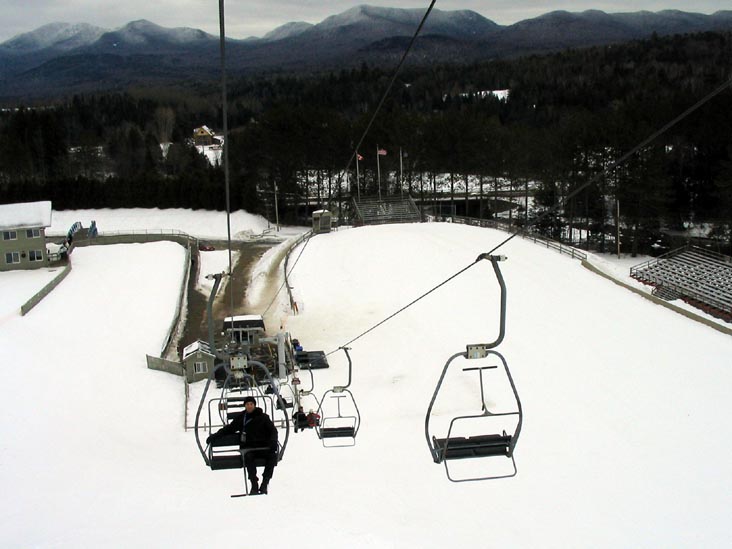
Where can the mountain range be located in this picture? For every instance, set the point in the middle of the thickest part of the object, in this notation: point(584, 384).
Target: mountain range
point(62, 58)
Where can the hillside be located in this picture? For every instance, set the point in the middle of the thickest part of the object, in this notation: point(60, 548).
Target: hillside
point(62, 58)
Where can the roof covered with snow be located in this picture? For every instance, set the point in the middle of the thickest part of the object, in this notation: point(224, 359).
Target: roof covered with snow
point(195, 347)
point(244, 322)
point(25, 215)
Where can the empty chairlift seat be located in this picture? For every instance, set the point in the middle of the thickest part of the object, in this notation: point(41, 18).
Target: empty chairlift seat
point(466, 437)
point(473, 447)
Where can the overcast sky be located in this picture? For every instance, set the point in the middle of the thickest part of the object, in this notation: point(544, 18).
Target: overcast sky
point(257, 17)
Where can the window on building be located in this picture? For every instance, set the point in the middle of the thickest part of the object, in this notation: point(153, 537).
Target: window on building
point(10, 235)
point(12, 257)
point(200, 368)
point(35, 255)
point(33, 233)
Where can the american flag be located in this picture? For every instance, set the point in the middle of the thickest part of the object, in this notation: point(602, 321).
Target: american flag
point(359, 156)
point(382, 152)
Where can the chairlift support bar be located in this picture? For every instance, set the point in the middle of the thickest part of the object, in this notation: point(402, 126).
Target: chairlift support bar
point(480, 373)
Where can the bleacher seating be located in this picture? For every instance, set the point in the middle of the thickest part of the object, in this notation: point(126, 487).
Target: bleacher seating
point(392, 209)
point(700, 277)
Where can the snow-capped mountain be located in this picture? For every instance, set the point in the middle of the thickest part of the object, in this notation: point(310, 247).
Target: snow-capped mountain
point(287, 30)
point(57, 36)
point(143, 33)
point(394, 21)
point(67, 58)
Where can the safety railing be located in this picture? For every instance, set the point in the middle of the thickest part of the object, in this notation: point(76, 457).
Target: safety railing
point(574, 253)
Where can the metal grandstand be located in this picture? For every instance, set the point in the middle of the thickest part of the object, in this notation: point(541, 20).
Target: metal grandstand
point(392, 209)
point(698, 276)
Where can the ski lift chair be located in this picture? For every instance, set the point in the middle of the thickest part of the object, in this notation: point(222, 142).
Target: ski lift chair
point(339, 430)
point(225, 452)
point(489, 445)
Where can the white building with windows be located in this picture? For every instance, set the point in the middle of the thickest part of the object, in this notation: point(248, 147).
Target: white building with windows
point(23, 228)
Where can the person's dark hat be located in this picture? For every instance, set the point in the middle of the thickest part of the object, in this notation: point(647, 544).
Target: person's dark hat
point(250, 399)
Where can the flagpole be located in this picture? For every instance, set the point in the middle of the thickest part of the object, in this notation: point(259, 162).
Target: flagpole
point(401, 175)
point(378, 169)
point(358, 184)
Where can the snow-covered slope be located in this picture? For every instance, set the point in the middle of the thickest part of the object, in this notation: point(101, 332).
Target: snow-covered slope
point(625, 441)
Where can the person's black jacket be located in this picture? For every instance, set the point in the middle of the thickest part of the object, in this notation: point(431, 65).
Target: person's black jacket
point(259, 429)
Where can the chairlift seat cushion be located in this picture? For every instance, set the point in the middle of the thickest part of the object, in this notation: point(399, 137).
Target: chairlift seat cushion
point(333, 432)
point(232, 439)
point(229, 461)
point(472, 447)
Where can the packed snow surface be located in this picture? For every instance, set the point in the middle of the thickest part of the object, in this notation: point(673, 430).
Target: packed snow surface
point(626, 435)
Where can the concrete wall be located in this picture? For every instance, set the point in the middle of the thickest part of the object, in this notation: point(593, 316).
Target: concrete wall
point(36, 299)
point(182, 302)
point(136, 238)
point(162, 365)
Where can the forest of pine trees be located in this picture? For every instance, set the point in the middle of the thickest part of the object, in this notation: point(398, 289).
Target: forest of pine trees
point(568, 116)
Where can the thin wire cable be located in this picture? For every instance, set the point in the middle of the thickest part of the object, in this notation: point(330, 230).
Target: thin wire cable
point(386, 92)
point(592, 180)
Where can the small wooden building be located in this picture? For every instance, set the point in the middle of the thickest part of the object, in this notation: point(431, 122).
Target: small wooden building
point(198, 361)
point(204, 136)
point(23, 235)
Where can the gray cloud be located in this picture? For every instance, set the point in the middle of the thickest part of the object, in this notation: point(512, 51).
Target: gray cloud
point(257, 17)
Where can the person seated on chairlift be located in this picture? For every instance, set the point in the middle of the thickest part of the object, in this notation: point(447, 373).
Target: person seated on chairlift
point(313, 419)
point(257, 431)
point(296, 345)
point(301, 420)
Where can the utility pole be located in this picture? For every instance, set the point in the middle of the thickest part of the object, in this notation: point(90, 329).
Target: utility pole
point(617, 236)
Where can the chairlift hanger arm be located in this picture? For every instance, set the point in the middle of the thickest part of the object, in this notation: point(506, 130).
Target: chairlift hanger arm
point(216, 277)
point(350, 370)
point(480, 350)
